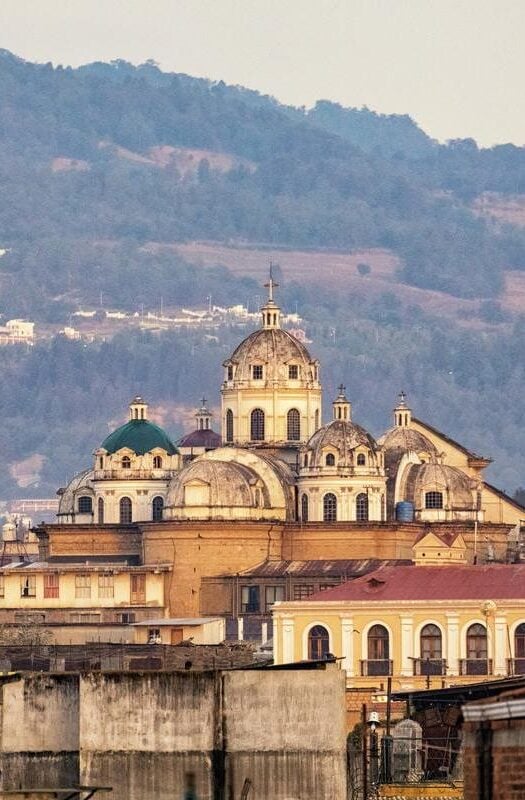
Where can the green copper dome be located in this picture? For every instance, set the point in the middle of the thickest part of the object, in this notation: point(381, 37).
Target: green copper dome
point(141, 436)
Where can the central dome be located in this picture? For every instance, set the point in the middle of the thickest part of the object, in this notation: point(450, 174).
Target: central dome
point(275, 350)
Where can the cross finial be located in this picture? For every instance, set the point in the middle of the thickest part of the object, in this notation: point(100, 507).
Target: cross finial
point(342, 389)
point(402, 398)
point(203, 401)
point(271, 285)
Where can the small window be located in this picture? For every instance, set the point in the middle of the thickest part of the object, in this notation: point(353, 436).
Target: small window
point(2, 586)
point(101, 462)
point(293, 421)
point(126, 618)
point(257, 425)
point(273, 595)
point(318, 643)
point(157, 462)
point(361, 507)
point(434, 500)
point(154, 636)
point(229, 425)
point(330, 507)
point(304, 508)
point(230, 373)
point(250, 599)
point(361, 459)
point(51, 584)
point(85, 617)
point(324, 586)
point(157, 508)
point(100, 511)
point(330, 460)
point(257, 372)
point(138, 589)
point(126, 512)
point(303, 590)
point(126, 462)
point(83, 586)
point(305, 460)
point(28, 586)
point(293, 372)
point(85, 505)
point(32, 618)
point(106, 585)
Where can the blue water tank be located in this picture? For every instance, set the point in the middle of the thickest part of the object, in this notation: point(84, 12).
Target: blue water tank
point(405, 511)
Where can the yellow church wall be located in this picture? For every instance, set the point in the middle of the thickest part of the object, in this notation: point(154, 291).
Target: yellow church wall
point(453, 456)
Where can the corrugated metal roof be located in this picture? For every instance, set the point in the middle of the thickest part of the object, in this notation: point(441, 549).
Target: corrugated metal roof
point(345, 567)
point(493, 582)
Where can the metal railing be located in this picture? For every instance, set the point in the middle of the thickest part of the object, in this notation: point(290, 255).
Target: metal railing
point(475, 666)
point(516, 666)
point(376, 667)
point(132, 474)
point(430, 666)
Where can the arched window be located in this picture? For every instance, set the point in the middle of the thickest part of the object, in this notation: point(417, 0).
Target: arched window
point(316, 419)
point(434, 500)
point(361, 459)
point(126, 462)
point(330, 507)
point(100, 511)
point(361, 507)
point(519, 649)
point(477, 655)
point(157, 462)
point(157, 506)
point(330, 460)
point(305, 460)
point(304, 508)
point(378, 651)
point(293, 425)
point(431, 650)
point(257, 425)
point(125, 509)
point(229, 425)
point(318, 643)
point(85, 505)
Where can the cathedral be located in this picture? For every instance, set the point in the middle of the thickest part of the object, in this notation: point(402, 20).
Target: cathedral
point(275, 461)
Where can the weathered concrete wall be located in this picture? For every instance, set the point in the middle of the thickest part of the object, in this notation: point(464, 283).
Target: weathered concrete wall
point(39, 735)
point(285, 732)
point(142, 734)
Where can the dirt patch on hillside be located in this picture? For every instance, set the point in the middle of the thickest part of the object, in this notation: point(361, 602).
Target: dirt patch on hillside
point(509, 208)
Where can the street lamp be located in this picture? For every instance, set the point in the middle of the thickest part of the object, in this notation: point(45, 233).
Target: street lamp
point(373, 725)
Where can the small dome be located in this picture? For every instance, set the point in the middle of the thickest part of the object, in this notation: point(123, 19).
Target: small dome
point(342, 435)
point(276, 349)
point(67, 496)
point(407, 440)
point(205, 438)
point(140, 436)
point(454, 484)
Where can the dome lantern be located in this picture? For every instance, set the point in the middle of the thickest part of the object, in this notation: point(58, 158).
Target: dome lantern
point(138, 408)
point(402, 413)
point(203, 416)
point(271, 312)
point(342, 408)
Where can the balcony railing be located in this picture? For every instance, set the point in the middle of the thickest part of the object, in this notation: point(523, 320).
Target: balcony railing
point(132, 474)
point(430, 666)
point(475, 666)
point(516, 666)
point(372, 667)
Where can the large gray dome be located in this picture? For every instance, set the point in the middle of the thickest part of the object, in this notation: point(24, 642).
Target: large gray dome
point(407, 440)
point(455, 486)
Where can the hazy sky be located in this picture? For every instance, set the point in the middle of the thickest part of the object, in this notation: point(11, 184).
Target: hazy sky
point(456, 66)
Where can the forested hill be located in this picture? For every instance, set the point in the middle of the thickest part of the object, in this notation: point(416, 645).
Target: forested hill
point(116, 181)
point(113, 152)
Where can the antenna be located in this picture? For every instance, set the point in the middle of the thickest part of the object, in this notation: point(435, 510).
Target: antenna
point(271, 283)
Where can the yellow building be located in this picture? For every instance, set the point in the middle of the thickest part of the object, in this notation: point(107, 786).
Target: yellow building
point(416, 624)
point(79, 602)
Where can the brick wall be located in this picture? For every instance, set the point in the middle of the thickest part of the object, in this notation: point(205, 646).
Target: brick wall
point(501, 774)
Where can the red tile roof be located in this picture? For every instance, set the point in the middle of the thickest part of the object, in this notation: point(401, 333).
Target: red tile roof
point(494, 582)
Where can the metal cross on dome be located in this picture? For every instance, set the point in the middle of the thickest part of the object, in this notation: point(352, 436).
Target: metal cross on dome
point(342, 389)
point(271, 285)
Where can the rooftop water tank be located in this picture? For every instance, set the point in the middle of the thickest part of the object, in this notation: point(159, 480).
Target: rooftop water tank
point(405, 511)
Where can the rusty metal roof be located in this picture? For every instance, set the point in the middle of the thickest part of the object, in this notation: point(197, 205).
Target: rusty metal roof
point(344, 567)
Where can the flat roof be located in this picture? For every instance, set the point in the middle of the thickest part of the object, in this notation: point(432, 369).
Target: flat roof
point(188, 622)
